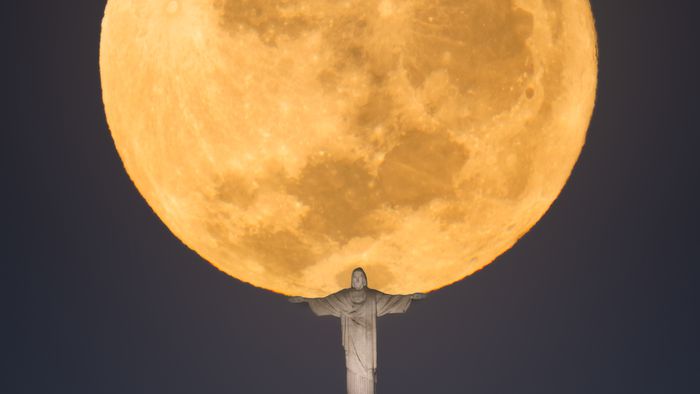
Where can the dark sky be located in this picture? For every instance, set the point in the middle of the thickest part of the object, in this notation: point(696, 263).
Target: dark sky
point(600, 297)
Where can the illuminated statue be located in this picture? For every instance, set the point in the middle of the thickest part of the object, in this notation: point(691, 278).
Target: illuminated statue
point(358, 308)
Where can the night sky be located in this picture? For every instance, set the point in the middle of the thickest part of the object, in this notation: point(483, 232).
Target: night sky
point(601, 296)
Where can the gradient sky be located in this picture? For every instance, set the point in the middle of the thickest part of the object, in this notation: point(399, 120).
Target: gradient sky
point(601, 296)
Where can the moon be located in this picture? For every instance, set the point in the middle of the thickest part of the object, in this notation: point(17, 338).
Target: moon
point(288, 142)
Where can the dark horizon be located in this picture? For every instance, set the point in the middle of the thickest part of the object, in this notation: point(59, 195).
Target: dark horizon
point(599, 296)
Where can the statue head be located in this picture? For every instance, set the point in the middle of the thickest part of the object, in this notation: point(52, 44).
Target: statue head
point(359, 279)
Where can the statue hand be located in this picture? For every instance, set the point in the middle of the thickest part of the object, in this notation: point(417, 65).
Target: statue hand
point(296, 300)
point(418, 296)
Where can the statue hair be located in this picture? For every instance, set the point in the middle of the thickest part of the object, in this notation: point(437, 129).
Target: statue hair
point(358, 269)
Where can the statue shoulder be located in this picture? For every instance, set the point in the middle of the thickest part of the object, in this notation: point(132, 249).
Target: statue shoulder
point(373, 292)
point(341, 293)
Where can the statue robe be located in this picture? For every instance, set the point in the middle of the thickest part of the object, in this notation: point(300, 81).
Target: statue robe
point(358, 311)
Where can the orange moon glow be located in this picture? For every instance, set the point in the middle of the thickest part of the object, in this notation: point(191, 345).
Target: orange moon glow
point(288, 142)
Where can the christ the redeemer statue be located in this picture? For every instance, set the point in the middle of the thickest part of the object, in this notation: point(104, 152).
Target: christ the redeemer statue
point(358, 308)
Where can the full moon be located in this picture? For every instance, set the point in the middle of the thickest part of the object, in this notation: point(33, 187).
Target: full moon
point(288, 142)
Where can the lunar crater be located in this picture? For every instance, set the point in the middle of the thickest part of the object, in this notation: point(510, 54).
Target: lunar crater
point(342, 194)
point(271, 20)
point(488, 46)
point(420, 168)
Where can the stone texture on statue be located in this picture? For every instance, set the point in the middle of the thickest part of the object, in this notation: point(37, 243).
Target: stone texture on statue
point(358, 308)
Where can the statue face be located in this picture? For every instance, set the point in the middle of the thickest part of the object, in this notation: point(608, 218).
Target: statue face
point(359, 280)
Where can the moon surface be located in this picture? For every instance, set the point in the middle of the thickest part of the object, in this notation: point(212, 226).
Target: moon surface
point(288, 142)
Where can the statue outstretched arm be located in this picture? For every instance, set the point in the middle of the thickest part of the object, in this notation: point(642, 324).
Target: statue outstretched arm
point(393, 303)
point(333, 304)
point(297, 299)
